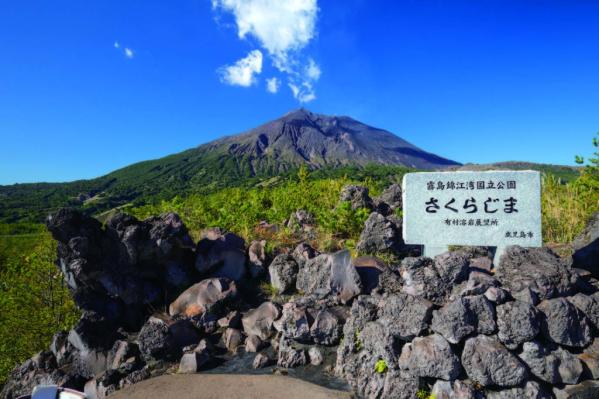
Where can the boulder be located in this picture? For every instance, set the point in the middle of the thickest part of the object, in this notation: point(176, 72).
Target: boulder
point(165, 339)
point(261, 360)
point(584, 390)
point(330, 274)
point(518, 322)
point(389, 200)
point(590, 358)
point(283, 273)
point(357, 196)
point(586, 247)
point(256, 258)
point(208, 295)
point(380, 234)
point(259, 321)
point(564, 324)
point(430, 356)
point(487, 361)
point(326, 329)
point(462, 317)
point(589, 305)
point(221, 255)
point(253, 343)
point(478, 283)
point(530, 390)
point(405, 316)
point(452, 267)
point(538, 269)
point(232, 319)
point(421, 279)
point(452, 390)
point(316, 356)
point(556, 366)
point(369, 268)
point(345, 282)
point(192, 362)
point(303, 252)
point(300, 220)
point(295, 322)
point(290, 357)
point(232, 338)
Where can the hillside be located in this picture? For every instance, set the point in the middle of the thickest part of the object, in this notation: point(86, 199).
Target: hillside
point(274, 148)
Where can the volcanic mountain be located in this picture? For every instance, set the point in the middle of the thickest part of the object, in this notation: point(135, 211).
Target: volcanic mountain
point(279, 146)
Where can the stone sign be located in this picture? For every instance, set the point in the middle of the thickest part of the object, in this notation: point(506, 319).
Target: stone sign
point(494, 208)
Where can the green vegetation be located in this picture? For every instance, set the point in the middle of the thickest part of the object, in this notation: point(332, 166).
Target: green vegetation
point(380, 366)
point(424, 394)
point(34, 303)
point(357, 342)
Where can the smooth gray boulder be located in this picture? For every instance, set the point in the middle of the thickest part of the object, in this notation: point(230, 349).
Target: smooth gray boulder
point(564, 324)
point(487, 361)
point(518, 322)
point(379, 234)
point(208, 295)
point(405, 316)
point(221, 255)
point(345, 281)
point(283, 273)
point(556, 366)
point(430, 356)
point(260, 321)
point(233, 339)
point(253, 343)
point(539, 269)
point(192, 362)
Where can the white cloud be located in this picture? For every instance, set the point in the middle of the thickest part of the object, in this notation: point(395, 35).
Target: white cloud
point(128, 52)
point(312, 70)
point(283, 28)
point(242, 72)
point(303, 93)
point(117, 45)
point(272, 85)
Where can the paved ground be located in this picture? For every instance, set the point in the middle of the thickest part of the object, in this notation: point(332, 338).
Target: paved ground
point(230, 386)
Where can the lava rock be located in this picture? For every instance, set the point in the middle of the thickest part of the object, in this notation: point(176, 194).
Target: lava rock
point(295, 322)
point(405, 316)
point(487, 361)
point(380, 234)
point(193, 362)
point(326, 329)
point(283, 273)
point(589, 305)
point(290, 357)
point(531, 390)
point(316, 356)
point(253, 343)
point(564, 324)
point(256, 258)
point(518, 322)
point(165, 339)
point(389, 200)
point(304, 252)
point(430, 356)
point(539, 269)
point(261, 360)
point(357, 196)
point(556, 366)
point(584, 390)
point(586, 246)
point(232, 338)
point(452, 267)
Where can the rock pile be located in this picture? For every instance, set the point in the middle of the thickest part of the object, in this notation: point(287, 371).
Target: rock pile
point(456, 326)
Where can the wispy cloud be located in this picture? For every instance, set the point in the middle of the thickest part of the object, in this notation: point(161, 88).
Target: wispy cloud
point(272, 85)
point(243, 72)
point(283, 28)
point(126, 51)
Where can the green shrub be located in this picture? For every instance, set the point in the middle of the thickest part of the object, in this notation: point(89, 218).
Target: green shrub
point(380, 366)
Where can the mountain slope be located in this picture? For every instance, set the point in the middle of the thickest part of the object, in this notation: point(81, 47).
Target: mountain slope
point(280, 146)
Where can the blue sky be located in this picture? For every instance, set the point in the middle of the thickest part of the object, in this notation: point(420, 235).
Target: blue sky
point(87, 87)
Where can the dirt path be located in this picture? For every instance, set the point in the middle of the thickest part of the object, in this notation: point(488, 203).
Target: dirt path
point(230, 386)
